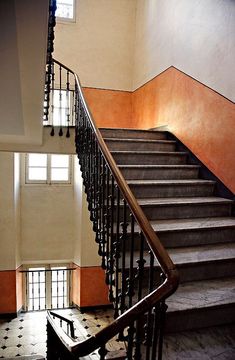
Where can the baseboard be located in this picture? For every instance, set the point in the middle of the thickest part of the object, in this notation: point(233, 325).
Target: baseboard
point(11, 315)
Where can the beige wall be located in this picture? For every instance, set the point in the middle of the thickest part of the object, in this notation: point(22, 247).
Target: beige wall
point(23, 26)
point(99, 45)
point(42, 223)
point(197, 37)
point(55, 223)
point(86, 249)
point(9, 212)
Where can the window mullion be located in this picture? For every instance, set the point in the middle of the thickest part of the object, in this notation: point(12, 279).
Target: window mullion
point(49, 168)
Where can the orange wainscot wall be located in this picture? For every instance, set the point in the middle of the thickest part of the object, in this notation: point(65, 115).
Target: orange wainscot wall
point(89, 288)
point(11, 291)
point(201, 118)
point(110, 108)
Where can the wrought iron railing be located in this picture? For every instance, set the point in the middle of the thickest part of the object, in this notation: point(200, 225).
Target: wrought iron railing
point(139, 272)
point(50, 49)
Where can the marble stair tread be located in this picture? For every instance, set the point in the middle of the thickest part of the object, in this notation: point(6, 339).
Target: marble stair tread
point(203, 253)
point(183, 201)
point(152, 141)
point(159, 166)
point(192, 254)
point(191, 224)
point(170, 182)
point(147, 152)
point(202, 294)
point(135, 132)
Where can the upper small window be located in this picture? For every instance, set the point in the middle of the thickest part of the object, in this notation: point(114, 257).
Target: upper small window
point(65, 10)
point(48, 168)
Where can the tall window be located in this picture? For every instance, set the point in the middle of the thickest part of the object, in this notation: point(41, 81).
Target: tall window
point(48, 168)
point(66, 9)
point(47, 287)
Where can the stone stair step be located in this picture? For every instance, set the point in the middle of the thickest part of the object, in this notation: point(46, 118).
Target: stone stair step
point(159, 172)
point(139, 144)
point(133, 134)
point(200, 304)
point(149, 157)
point(189, 232)
point(171, 188)
point(200, 262)
point(198, 231)
point(192, 207)
point(193, 262)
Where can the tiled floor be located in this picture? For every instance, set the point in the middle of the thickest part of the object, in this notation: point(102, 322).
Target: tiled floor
point(26, 335)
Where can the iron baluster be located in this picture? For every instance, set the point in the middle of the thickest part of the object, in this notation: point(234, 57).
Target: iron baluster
point(140, 269)
point(107, 222)
point(68, 104)
point(130, 279)
point(32, 291)
point(103, 231)
point(123, 237)
point(52, 98)
point(117, 254)
point(111, 256)
point(102, 352)
point(39, 297)
point(162, 317)
point(60, 101)
point(149, 323)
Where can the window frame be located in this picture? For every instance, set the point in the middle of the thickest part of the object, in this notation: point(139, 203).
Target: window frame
point(53, 107)
point(61, 19)
point(49, 168)
point(48, 285)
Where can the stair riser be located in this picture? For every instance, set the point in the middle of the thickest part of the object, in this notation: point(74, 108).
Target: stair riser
point(175, 239)
point(189, 272)
point(203, 271)
point(183, 211)
point(159, 174)
point(128, 134)
point(138, 146)
point(186, 211)
point(149, 159)
point(197, 237)
point(199, 318)
point(185, 190)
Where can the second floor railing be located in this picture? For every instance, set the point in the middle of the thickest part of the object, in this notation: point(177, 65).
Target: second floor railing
point(139, 272)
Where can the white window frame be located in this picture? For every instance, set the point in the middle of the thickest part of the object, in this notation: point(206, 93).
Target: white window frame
point(48, 180)
point(53, 106)
point(68, 20)
point(48, 284)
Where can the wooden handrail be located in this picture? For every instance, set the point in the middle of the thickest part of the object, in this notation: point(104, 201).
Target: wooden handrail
point(171, 274)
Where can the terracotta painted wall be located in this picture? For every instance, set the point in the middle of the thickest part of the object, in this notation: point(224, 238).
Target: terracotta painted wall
point(89, 288)
point(201, 118)
point(110, 108)
point(8, 292)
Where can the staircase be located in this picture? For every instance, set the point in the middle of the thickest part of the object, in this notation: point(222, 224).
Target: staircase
point(194, 224)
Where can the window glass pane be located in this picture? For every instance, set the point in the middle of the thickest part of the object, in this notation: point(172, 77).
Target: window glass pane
point(60, 276)
point(61, 161)
point(37, 173)
point(59, 174)
point(65, 9)
point(37, 159)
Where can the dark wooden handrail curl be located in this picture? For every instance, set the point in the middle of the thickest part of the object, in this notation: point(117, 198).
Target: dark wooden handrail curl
point(171, 274)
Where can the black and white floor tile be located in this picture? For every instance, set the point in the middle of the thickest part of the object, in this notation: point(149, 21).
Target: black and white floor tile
point(26, 335)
